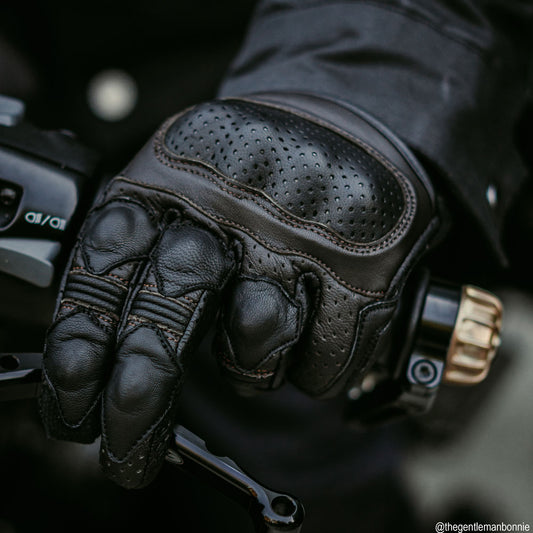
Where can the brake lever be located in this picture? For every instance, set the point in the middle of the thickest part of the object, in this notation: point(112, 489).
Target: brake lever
point(271, 511)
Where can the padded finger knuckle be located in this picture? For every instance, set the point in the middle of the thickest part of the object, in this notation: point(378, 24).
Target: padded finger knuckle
point(188, 257)
point(121, 230)
point(75, 349)
point(260, 320)
point(75, 363)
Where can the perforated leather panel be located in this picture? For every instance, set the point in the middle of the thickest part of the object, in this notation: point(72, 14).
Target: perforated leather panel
point(308, 170)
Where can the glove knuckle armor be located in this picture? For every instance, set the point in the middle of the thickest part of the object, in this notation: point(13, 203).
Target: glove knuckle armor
point(307, 190)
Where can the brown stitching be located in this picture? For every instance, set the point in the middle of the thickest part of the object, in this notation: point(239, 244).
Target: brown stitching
point(405, 221)
point(106, 319)
point(338, 131)
point(103, 318)
point(175, 300)
point(136, 320)
point(126, 281)
point(259, 374)
point(162, 152)
point(85, 271)
point(109, 317)
point(383, 244)
point(224, 221)
point(184, 296)
point(82, 272)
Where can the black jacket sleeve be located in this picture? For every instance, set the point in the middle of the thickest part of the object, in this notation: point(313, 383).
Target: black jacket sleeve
point(450, 77)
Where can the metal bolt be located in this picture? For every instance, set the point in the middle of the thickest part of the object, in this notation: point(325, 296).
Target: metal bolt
point(424, 371)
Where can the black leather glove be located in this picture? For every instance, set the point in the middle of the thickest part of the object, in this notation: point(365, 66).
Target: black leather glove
point(292, 219)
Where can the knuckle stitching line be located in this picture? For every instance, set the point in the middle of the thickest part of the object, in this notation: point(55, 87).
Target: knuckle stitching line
point(215, 177)
point(288, 251)
point(80, 271)
point(136, 321)
point(75, 305)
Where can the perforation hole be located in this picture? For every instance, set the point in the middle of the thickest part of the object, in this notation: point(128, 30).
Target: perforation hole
point(263, 139)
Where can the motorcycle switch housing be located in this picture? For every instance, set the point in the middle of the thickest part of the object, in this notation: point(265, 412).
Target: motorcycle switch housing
point(43, 177)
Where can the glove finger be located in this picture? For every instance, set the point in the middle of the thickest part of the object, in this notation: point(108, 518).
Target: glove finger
point(260, 325)
point(346, 332)
point(171, 310)
point(81, 341)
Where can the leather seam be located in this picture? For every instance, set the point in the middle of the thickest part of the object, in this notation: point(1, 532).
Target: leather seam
point(230, 362)
point(398, 174)
point(203, 170)
point(184, 296)
point(136, 321)
point(360, 323)
point(169, 298)
point(287, 344)
point(226, 222)
point(103, 314)
point(80, 271)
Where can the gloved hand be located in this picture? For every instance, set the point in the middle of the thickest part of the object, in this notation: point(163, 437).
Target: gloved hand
point(292, 220)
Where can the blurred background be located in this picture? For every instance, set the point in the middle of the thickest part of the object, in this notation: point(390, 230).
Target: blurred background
point(111, 72)
point(486, 470)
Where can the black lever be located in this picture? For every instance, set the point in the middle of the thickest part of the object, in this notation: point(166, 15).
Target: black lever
point(271, 512)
